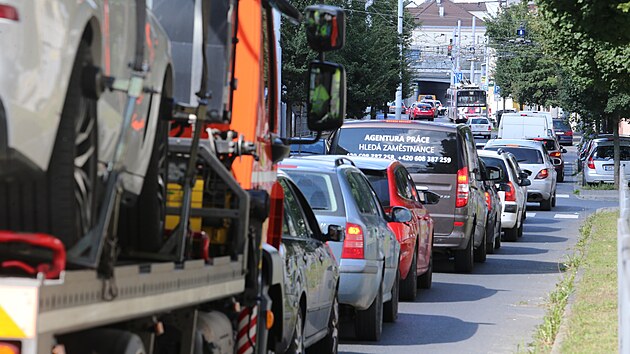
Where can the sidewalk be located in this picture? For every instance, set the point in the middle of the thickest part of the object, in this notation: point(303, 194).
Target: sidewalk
point(596, 194)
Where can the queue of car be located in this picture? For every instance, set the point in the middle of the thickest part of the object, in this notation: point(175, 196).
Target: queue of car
point(367, 210)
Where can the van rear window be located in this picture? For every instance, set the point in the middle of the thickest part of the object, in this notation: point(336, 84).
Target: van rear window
point(421, 151)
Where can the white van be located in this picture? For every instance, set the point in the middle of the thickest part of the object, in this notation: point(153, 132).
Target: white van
point(524, 126)
point(546, 114)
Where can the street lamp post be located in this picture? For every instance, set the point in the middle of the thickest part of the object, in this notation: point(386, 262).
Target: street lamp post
point(399, 88)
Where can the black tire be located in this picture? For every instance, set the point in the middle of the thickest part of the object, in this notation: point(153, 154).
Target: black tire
point(546, 204)
point(561, 176)
point(490, 242)
point(147, 216)
point(390, 308)
point(480, 252)
point(102, 341)
point(369, 322)
point(426, 280)
point(297, 340)
point(464, 258)
point(497, 238)
point(511, 234)
point(72, 204)
point(409, 285)
point(330, 343)
point(553, 200)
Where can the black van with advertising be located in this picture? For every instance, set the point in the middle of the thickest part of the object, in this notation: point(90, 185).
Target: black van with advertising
point(441, 158)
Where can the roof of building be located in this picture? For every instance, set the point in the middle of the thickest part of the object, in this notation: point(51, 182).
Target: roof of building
point(428, 13)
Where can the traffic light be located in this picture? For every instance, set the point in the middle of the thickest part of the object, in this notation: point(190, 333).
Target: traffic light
point(450, 50)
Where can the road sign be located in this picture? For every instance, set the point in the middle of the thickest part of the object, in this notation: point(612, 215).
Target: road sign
point(458, 78)
point(497, 89)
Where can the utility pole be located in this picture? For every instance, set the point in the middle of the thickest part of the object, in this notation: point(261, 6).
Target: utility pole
point(452, 55)
point(459, 43)
point(400, 31)
point(472, 60)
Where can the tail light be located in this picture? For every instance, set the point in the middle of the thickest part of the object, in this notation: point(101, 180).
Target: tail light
point(555, 154)
point(488, 201)
point(591, 163)
point(461, 198)
point(489, 128)
point(510, 193)
point(544, 173)
point(9, 13)
point(353, 243)
point(570, 133)
point(10, 347)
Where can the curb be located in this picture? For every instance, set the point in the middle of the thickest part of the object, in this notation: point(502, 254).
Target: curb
point(562, 330)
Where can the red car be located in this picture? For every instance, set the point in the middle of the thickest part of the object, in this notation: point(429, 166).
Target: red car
point(422, 111)
point(394, 187)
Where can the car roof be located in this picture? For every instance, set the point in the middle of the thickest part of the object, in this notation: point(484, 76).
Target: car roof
point(518, 142)
point(372, 163)
point(323, 163)
point(397, 124)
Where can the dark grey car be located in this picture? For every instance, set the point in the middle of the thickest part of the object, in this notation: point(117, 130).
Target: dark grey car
point(441, 158)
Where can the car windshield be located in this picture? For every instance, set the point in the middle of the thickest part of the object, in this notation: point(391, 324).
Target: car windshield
point(479, 121)
point(319, 188)
point(560, 125)
point(522, 154)
point(378, 180)
point(603, 153)
point(550, 145)
point(420, 150)
point(498, 163)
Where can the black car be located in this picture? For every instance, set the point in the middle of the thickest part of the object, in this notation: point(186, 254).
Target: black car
point(308, 315)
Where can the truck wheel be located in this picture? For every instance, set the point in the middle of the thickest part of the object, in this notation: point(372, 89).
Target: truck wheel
point(102, 341)
point(426, 280)
point(330, 343)
point(147, 216)
point(464, 258)
point(480, 252)
point(72, 174)
point(297, 342)
point(369, 322)
point(390, 308)
point(409, 286)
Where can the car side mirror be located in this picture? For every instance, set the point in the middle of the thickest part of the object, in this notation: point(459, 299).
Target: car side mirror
point(326, 103)
point(325, 27)
point(525, 182)
point(556, 161)
point(525, 174)
point(335, 233)
point(493, 173)
point(564, 151)
point(430, 198)
point(400, 214)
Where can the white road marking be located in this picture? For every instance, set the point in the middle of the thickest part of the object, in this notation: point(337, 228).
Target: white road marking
point(531, 215)
point(562, 196)
point(566, 216)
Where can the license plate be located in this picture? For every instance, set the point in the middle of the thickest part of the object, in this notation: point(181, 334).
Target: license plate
point(609, 167)
point(479, 127)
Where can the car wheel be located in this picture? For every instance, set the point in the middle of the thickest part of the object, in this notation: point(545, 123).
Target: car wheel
point(390, 308)
point(297, 341)
point(561, 176)
point(497, 238)
point(409, 285)
point(511, 234)
point(519, 232)
point(546, 204)
point(490, 242)
point(72, 175)
point(426, 280)
point(330, 343)
point(146, 216)
point(464, 258)
point(553, 200)
point(369, 322)
point(480, 252)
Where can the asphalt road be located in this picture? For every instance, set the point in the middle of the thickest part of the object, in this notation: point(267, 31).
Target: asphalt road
point(496, 308)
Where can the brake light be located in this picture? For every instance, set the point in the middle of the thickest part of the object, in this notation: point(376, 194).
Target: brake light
point(591, 163)
point(10, 348)
point(9, 13)
point(489, 128)
point(555, 154)
point(510, 193)
point(570, 132)
point(353, 242)
point(544, 173)
point(488, 201)
point(462, 190)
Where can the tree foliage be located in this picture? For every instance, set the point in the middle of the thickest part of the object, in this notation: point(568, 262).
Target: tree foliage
point(371, 55)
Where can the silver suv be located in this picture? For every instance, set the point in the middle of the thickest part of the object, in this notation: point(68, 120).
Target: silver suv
point(340, 194)
point(534, 159)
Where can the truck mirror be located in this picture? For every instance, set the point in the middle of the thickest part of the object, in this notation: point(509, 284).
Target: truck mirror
point(326, 103)
point(325, 27)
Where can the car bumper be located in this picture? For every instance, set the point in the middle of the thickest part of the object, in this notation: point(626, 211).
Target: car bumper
point(591, 176)
point(359, 282)
point(509, 217)
point(457, 239)
point(539, 190)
